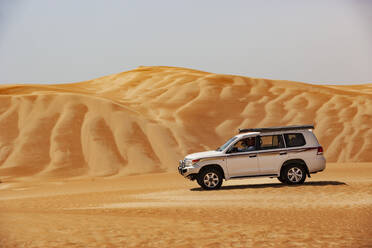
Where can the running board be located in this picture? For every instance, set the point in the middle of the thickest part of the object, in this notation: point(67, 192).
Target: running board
point(266, 175)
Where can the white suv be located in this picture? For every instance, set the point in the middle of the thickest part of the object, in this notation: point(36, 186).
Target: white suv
point(288, 153)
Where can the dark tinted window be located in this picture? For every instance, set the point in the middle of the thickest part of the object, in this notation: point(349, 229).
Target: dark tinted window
point(271, 142)
point(294, 139)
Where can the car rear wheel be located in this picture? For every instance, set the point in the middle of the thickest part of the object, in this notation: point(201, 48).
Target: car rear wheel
point(294, 174)
point(210, 179)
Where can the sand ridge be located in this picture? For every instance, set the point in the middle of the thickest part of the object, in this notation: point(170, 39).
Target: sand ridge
point(146, 119)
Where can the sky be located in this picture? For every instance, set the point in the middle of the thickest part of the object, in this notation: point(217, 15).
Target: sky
point(317, 41)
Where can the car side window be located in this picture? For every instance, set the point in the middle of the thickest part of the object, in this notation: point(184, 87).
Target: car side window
point(244, 145)
point(294, 139)
point(271, 142)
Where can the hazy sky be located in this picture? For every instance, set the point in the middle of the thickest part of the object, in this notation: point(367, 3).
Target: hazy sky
point(46, 41)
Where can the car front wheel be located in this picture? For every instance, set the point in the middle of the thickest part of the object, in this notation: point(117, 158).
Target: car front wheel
point(210, 179)
point(281, 180)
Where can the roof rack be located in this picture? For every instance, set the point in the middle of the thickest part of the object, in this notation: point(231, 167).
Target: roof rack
point(273, 129)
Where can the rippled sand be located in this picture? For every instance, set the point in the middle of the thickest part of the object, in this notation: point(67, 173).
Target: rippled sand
point(332, 209)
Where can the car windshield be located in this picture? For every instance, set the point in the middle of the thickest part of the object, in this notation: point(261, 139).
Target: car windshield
point(221, 148)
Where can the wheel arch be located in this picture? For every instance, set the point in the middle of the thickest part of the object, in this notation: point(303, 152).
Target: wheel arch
point(216, 166)
point(295, 161)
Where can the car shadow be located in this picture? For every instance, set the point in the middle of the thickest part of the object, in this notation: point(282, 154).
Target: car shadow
point(276, 185)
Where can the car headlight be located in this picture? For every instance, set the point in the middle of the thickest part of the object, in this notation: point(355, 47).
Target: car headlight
point(190, 162)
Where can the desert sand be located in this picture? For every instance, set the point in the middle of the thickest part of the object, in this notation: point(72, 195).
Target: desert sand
point(332, 209)
point(93, 164)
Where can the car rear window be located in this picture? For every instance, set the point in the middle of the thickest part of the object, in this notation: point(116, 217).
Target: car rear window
point(294, 139)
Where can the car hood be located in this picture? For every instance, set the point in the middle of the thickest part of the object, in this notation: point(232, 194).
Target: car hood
point(206, 154)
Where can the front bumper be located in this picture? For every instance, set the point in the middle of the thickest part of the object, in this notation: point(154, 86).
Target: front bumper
point(182, 170)
point(187, 171)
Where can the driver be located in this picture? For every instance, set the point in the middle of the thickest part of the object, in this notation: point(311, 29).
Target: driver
point(248, 145)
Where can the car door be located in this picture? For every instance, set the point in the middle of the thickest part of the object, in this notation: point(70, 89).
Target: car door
point(240, 162)
point(271, 154)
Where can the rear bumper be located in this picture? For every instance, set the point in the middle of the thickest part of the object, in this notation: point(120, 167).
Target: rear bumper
point(318, 164)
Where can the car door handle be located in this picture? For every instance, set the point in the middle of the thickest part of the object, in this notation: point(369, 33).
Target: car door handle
point(282, 153)
point(253, 155)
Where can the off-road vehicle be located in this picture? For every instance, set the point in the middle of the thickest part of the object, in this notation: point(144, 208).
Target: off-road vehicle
point(289, 153)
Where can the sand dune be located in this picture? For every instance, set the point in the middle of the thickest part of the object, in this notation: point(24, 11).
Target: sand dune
point(58, 141)
point(146, 119)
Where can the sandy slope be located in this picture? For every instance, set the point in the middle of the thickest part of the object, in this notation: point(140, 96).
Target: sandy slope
point(332, 209)
point(146, 119)
point(60, 137)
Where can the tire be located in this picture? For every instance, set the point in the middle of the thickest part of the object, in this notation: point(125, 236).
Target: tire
point(294, 174)
point(210, 179)
point(281, 179)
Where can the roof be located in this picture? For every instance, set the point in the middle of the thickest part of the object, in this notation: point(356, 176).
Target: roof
point(273, 129)
point(246, 134)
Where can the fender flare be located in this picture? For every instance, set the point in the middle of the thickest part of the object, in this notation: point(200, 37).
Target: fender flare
point(217, 166)
point(295, 161)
